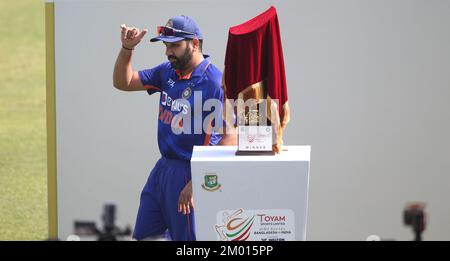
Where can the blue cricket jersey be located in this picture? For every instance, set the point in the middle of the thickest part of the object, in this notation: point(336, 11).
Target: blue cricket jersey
point(177, 97)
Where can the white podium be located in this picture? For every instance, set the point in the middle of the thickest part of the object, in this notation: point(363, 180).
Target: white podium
point(253, 198)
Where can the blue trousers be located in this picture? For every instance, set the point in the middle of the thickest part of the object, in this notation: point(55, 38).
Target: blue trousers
point(158, 210)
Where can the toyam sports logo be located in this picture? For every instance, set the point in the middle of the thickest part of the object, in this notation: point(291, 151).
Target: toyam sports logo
point(235, 226)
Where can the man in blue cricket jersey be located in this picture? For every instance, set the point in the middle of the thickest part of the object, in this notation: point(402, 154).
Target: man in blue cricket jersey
point(166, 206)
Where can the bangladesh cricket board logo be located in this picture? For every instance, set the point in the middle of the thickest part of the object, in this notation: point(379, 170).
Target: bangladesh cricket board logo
point(211, 182)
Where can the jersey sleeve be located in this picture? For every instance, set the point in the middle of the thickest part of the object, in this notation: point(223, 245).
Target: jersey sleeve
point(152, 78)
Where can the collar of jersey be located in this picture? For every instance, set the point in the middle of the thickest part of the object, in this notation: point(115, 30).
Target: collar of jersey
point(198, 71)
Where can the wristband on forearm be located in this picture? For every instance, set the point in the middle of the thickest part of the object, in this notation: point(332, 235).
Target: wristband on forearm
point(127, 48)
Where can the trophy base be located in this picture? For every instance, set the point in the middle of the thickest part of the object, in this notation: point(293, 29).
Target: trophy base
point(254, 153)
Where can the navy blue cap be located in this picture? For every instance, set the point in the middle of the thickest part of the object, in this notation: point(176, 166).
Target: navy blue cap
point(182, 23)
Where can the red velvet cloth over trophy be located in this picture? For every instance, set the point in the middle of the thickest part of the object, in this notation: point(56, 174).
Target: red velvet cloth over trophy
point(254, 69)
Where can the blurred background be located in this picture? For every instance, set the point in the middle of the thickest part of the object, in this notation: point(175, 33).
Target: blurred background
point(23, 170)
point(368, 83)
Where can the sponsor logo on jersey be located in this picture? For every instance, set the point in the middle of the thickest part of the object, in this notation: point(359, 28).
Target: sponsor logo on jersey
point(187, 93)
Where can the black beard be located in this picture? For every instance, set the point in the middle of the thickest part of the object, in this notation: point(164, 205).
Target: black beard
point(179, 63)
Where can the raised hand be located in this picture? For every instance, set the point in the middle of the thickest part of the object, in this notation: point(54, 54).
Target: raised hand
point(131, 36)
